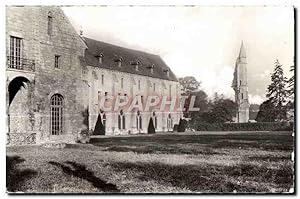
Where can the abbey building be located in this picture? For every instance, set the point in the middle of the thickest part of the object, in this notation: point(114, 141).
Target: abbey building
point(56, 80)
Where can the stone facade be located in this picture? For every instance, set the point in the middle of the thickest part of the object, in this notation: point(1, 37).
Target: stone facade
point(112, 86)
point(29, 111)
point(240, 86)
point(52, 62)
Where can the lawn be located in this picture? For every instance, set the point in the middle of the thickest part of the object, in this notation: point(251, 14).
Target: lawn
point(161, 163)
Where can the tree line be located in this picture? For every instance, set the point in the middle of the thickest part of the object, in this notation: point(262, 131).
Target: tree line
point(280, 100)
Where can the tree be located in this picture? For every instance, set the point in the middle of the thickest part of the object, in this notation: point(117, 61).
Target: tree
point(189, 84)
point(221, 110)
point(291, 84)
point(267, 112)
point(277, 93)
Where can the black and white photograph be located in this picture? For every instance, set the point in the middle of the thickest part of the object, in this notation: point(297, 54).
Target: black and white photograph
point(150, 99)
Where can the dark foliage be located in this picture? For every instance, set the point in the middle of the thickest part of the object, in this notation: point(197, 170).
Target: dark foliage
point(267, 112)
point(277, 93)
point(99, 127)
point(259, 126)
point(16, 177)
point(182, 125)
point(151, 129)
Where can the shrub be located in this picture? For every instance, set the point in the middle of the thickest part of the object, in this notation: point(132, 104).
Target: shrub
point(182, 125)
point(151, 129)
point(175, 128)
point(260, 126)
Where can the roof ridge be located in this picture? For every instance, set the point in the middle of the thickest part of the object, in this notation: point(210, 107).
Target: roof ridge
point(126, 48)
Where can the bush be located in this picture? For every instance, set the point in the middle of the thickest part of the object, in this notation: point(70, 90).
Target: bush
point(151, 129)
point(259, 126)
point(182, 125)
point(175, 128)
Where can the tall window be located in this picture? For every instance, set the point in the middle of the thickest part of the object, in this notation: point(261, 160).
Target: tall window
point(121, 120)
point(154, 87)
point(50, 24)
point(169, 122)
point(56, 61)
point(15, 53)
point(56, 114)
point(139, 121)
point(102, 79)
point(139, 84)
point(122, 82)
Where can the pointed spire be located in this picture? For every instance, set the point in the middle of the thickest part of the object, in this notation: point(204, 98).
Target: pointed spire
point(242, 50)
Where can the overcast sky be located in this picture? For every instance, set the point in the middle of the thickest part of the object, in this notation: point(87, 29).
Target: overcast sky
point(203, 42)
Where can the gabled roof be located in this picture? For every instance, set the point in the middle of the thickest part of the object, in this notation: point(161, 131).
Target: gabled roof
point(112, 53)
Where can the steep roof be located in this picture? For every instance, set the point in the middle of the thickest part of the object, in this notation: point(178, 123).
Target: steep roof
point(111, 53)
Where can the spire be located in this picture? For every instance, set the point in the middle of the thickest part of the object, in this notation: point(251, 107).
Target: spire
point(242, 50)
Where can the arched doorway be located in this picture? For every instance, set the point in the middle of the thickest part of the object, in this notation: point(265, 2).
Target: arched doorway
point(56, 114)
point(18, 105)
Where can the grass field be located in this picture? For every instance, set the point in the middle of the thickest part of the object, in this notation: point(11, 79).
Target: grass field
point(161, 163)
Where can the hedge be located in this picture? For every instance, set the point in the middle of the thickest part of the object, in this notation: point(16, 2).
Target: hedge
point(259, 126)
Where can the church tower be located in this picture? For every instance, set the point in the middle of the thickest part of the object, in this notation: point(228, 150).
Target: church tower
point(240, 87)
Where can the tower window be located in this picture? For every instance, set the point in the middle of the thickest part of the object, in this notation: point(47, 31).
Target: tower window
point(102, 79)
point(240, 82)
point(50, 24)
point(139, 84)
point(122, 82)
point(242, 96)
point(154, 87)
point(57, 61)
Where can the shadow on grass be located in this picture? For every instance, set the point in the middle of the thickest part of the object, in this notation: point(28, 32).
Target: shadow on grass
point(80, 171)
point(15, 177)
point(211, 178)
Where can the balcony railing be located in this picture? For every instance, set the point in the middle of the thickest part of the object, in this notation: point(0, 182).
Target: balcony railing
point(20, 63)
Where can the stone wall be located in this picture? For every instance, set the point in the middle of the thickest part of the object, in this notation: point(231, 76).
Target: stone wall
point(30, 24)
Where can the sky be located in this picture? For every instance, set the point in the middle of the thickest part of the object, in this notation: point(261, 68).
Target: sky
point(203, 42)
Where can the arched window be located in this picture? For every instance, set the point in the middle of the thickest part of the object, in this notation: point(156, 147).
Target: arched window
point(56, 114)
point(121, 120)
point(139, 121)
point(169, 122)
point(50, 23)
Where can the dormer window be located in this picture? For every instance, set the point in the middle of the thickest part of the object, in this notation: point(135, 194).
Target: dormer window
point(135, 64)
point(167, 71)
point(151, 68)
point(100, 58)
point(119, 61)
